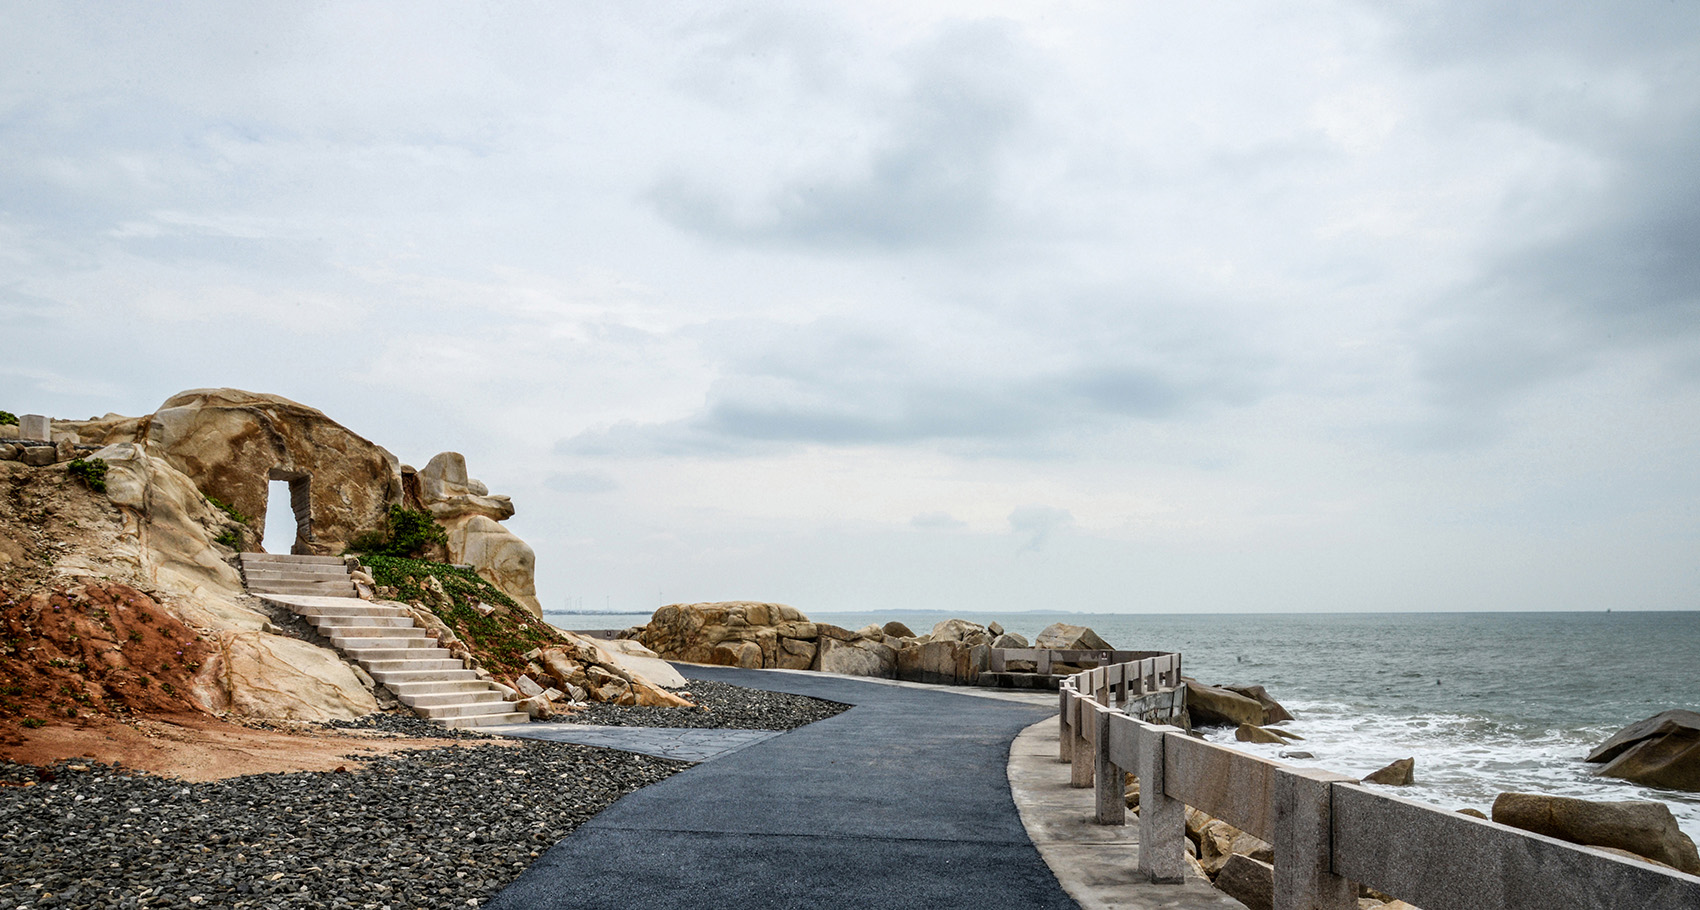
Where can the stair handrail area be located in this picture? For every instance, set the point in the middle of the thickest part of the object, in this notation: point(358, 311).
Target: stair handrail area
point(1329, 832)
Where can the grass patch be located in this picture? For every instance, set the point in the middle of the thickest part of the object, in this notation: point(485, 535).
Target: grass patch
point(406, 534)
point(91, 472)
point(499, 640)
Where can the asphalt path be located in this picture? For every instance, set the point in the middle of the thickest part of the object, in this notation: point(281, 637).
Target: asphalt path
point(902, 801)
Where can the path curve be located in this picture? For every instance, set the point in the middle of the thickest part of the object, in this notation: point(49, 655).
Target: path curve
point(902, 801)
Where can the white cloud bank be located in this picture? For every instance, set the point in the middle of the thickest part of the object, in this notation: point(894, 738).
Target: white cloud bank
point(1330, 306)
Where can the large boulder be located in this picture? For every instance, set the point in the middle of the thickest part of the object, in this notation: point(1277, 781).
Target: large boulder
point(1060, 636)
point(1661, 751)
point(1273, 713)
point(862, 657)
point(447, 492)
point(731, 633)
point(943, 662)
point(272, 677)
point(1642, 827)
point(498, 556)
point(232, 443)
point(1249, 881)
point(1211, 706)
point(969, 633)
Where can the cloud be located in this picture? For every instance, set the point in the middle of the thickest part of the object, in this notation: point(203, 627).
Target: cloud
point(1037, 523)
point(937, 521)
point(581, 482)
point(928, 172)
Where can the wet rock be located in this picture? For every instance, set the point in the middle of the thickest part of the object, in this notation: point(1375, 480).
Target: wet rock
point(1642, 827)
point(1661, 751)
point(1401, 773)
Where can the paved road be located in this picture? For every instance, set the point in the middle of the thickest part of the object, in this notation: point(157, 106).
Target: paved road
point(902, 801)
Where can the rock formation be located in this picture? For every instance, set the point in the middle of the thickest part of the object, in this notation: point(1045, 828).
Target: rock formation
point(1661, 751)
point(1642, 827)
point(746, 634)
point(465, 508)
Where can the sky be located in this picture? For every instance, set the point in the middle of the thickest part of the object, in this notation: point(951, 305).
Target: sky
point(978, 307)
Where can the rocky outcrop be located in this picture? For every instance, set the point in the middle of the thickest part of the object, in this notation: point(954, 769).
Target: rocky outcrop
point(1249, 881)
point(260, 675)
point(471, 516)
point(232, 443)
point(1221, 706)
point(1247, 733)
point(1661, 751)
point(1401, 773)
point(1060, 636)
point(1642, 827)
point(764, 635)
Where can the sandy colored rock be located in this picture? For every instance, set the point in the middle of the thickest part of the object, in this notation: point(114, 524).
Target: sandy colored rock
point(260, 675)
point(448, 493)
point(1061, 636)
point(1642, 827)
point(1249, 733)
point(499, 557)
point(858, 658)
point(1011, 640)
point(897, 630)
point(1401, 773)
point(729, 633)
point(232, 443)
point(1249, 881)
point(1214, 706)
point(1218, 840)
point(1273, 712)
point(961, 630)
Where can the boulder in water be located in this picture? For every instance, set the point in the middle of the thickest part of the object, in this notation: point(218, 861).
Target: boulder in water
point(1212, 706)
point(1661, 751)
point(1399, 774)
point(1273, 713)
point(1642, 827)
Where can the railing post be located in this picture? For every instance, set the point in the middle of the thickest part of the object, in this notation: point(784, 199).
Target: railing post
point(1065, 737)
point(1111, 801)
point(1162, 820)
point(1304, 861)
point(1080, 767)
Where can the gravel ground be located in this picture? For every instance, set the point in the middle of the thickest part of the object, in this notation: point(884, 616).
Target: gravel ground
point(719, 706)
point(429, 828)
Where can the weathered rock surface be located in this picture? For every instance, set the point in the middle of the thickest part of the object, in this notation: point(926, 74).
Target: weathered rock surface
point(1401, 773)
point(1218, 840)
point(1215, 706)
point(498, 555)
point(1273, 713)
point(1642, 827)
point(897, 630)
point(1661, 751)
point(1247, 733)
point(1249, 881)
point(270, 676)
point(1010, 640)
point(1060, 636)
point(858, 658)
point(232, 443)
point(943, 662)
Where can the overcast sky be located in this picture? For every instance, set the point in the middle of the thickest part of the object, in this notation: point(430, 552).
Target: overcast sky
point(1154, 307)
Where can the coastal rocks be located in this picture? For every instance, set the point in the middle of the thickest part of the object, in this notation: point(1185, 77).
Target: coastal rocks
point(1213, 706)
point(1661, 751)
point(272, 677)
point(498, 556)
point(1011, 640)
point(961, 630)
point(232, 443)
point(1249, 733)
point(733, 633)
point(896, 629)
point(1401, 773)
point(858, 658)
point(1642, 827)
point(1273, 713)
point(1060, 636)
point(943, 662)
point(1249, 881)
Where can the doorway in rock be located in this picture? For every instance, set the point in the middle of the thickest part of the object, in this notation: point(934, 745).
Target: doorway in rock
point(288, 515)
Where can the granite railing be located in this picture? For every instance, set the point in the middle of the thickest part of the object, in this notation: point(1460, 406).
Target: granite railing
point(1329, 833)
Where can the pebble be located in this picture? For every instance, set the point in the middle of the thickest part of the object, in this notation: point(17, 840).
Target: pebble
point(720, 706)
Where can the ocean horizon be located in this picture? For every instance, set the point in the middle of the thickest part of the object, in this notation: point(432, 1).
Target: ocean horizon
point(1485, 702)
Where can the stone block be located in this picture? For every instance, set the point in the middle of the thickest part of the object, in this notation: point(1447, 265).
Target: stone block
point(1250, 882)
point(795, 654)
point(35, 427)
point(863, 658)
point(528, 687)
point(38, 456)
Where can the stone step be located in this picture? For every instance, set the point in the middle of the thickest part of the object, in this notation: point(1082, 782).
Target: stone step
point(251, 575)
point(408, 675)
point(310, 568)
point(341, 587)
point(363, 644)
point(438, 686)
point(375, 667)
point(442, 699)
point(463, 709)
point(355, 609)
point(484, 720)
point(375, 655)
point(297, 559)
point(336, 630)
point(326, 623)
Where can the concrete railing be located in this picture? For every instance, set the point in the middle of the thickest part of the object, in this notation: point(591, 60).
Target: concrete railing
point(1328, 831)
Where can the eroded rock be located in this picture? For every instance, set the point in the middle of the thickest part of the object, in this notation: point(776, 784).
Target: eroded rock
point(1642, 827)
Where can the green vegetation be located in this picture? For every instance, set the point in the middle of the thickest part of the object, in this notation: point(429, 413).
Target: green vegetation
point(32, 723)
point(230, 510)
point(7, 417)
point(499, 640)
point(406, 534)
point(230, 539)
point(91, 472)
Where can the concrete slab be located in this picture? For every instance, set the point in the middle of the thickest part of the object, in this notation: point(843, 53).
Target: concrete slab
point(1096, 864)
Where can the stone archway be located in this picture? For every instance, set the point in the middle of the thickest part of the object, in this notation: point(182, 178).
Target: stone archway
point(300, 503)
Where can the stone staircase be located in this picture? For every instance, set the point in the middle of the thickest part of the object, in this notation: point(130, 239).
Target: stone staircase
point(381, 638)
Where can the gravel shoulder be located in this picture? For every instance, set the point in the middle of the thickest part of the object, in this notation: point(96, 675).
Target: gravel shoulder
point(720, 706)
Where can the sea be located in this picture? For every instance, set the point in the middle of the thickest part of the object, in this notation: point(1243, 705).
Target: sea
point(1485, 702)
